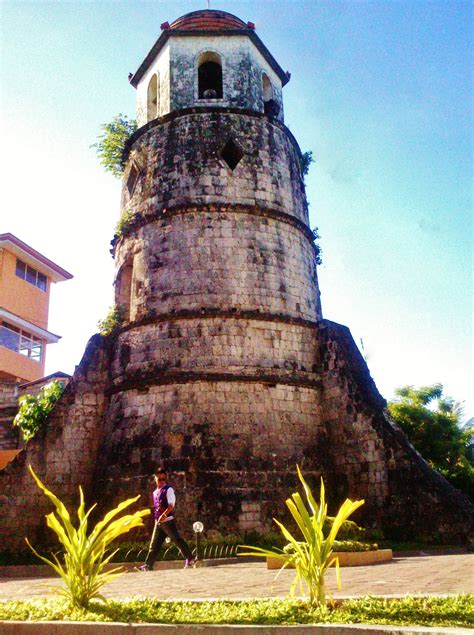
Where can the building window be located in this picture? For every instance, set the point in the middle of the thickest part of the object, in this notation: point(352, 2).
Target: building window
point(21, 341)
point(32, 276)
point(152, 98)
point(210, 76)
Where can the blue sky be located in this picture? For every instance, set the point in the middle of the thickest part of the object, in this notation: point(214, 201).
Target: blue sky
point(381, 92)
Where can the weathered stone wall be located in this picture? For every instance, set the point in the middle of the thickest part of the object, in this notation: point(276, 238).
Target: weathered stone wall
point(219, 344)
point(228, 444)
point(8, 409)
point(373, 458)
point(8, 393)
point(179, 158)
point(229, 260)
point(63, 454)
point(9, 435)
point(229, 401)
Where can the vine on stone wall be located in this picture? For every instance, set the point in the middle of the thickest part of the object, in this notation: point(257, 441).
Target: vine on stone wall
point(112, 321)
point(125, 222)
point(317, 248)
point(34, 409)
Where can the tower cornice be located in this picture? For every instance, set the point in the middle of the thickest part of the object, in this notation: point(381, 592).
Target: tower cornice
point(168, 33)
point(213, 312)
point(158, 376)
point(212, 208)
point(203, 110)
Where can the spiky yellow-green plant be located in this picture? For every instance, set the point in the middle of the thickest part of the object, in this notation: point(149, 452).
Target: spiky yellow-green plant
point(312, 556)
point(86, 555)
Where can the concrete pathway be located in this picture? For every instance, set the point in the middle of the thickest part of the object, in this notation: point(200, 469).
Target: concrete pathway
point(445, 574)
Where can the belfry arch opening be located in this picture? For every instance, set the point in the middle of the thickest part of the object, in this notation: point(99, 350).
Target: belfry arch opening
point(210, 76)
point(266, 88)
point(152, 98)
point(270, 106)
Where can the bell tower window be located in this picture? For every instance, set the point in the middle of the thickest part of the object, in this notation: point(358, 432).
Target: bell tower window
point(266, 88)
point(270, 106)
point(152, 98)
point(210, 76)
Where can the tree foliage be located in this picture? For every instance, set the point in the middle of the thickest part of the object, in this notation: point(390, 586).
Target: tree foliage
point(306, 161)
point(431, 421)
point(111, 143)
point(34, 409)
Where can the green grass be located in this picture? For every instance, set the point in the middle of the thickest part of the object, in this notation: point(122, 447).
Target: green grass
point(455, 611)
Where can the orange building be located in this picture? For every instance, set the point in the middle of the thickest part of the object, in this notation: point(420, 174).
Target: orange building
point(25, 281)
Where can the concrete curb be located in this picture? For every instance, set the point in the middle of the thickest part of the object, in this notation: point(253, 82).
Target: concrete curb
point(45, 571)
point(117, 628)
point(347, 558)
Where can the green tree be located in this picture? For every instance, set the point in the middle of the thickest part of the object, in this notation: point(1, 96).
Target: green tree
point(431, 421)
point(111, 143)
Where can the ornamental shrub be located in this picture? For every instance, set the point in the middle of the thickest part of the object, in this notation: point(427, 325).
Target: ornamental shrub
point(314, 554)
point(34, 409)
point(86, 554)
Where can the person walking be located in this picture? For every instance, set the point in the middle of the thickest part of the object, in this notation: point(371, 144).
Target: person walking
point(164, 501)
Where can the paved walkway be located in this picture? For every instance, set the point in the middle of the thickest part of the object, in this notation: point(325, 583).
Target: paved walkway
point(411, 575)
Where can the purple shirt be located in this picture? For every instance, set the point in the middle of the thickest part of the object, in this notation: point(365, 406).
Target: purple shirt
point(162, 498)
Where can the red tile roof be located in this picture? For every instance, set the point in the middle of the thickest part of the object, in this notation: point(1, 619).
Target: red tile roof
point(208, 20)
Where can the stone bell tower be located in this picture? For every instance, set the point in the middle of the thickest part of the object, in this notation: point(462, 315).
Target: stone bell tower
point(224, 370)
point(216, 371)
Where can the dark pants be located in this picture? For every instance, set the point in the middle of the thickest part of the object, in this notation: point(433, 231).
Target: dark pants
point(160, 532)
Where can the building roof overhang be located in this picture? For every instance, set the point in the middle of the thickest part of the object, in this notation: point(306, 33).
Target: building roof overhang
point(20, 322)
point(166, 34)
point(52, 377)
point(34, 258)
